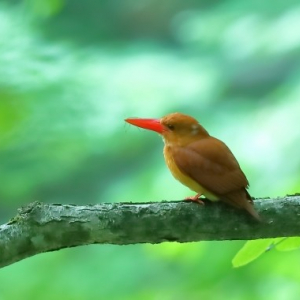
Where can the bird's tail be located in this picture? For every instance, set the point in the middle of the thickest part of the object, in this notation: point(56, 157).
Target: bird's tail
point(241, 199)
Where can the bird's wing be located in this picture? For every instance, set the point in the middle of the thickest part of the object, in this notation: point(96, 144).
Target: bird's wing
point(210, 163)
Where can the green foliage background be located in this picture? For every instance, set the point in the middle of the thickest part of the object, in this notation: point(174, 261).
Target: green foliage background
point(71, 71)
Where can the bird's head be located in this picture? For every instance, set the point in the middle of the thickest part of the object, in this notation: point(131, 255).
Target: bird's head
point(176, 128)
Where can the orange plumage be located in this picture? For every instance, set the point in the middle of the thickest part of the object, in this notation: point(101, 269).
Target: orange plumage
point(199, 161)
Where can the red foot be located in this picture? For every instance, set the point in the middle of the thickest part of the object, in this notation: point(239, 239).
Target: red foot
point(195, 199)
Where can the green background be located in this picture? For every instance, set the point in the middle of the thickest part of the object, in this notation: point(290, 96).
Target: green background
point(72, 71)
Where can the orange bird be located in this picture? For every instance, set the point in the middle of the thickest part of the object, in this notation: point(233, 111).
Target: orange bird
point(199, 161)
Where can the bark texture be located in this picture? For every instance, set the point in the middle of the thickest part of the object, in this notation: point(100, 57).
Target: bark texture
point(41, 227)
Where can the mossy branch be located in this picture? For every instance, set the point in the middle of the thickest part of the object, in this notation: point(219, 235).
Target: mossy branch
point(41, 227)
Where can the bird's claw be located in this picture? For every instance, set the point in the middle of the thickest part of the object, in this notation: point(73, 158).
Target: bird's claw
point(195, 199)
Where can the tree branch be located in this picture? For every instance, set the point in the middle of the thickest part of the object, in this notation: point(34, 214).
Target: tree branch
point(46, 227)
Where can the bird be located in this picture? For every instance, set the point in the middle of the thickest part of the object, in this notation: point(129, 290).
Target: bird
point(200, 161)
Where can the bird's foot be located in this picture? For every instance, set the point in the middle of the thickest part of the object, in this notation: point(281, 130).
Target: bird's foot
point(195, 199)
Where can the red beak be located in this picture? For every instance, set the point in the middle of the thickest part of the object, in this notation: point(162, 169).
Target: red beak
point(150, 124)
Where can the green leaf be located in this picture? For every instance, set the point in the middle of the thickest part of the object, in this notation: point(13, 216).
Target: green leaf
point(289, 244)
point(250, 251)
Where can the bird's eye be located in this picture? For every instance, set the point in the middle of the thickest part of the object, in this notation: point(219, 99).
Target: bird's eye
point(170, 126)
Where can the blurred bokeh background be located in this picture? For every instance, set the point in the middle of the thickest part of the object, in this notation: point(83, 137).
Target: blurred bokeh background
point(72, 70)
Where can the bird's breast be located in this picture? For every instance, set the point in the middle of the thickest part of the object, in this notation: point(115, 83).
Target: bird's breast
point(183, 178)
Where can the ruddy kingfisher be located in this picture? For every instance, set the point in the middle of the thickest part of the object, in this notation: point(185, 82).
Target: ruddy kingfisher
point(200, 161)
